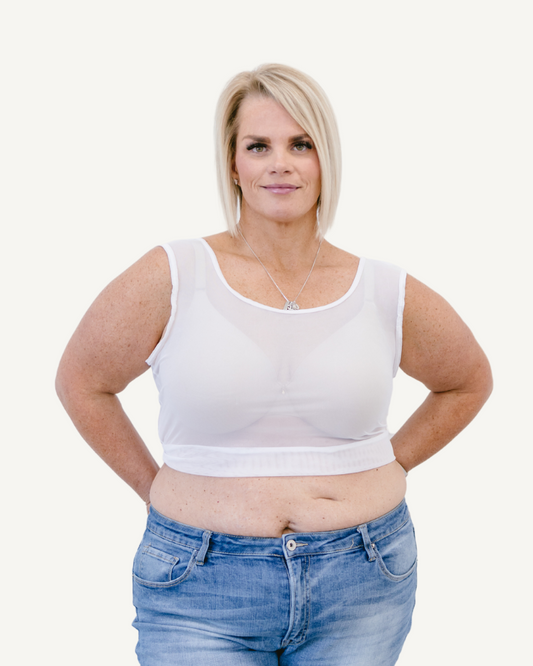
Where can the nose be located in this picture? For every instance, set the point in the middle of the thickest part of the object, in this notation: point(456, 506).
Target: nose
point(280, 163)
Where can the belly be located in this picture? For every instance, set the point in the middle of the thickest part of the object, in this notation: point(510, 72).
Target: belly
point(272, 506)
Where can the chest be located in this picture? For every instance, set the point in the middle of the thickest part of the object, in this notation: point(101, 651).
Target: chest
point(306, 374)
point(272, 287)
point(234, 367)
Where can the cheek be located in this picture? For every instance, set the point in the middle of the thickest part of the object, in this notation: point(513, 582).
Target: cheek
point(314, 168)
point(316, 177)
point(244, 169)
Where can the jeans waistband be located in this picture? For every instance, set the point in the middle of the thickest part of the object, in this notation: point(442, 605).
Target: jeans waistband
point(289, 545)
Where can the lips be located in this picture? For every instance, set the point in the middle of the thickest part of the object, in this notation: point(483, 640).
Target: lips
point(280, 188)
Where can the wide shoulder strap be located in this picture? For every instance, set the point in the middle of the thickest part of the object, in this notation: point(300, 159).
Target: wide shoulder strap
point(388, 284)
point(182, 263)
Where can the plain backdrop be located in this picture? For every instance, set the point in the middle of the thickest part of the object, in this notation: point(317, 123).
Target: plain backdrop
point(106, 150)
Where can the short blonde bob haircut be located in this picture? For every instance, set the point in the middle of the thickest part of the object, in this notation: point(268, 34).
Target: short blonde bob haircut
point(307, 103)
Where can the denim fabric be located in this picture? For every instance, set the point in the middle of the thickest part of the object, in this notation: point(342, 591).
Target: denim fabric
point(336, 598)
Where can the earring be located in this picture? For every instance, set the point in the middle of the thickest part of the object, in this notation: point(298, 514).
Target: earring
point(235, 181)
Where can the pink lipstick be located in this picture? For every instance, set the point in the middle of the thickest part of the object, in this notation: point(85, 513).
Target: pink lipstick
point(280, 188)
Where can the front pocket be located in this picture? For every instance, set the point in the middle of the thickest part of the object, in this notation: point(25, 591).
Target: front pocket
point(396, 554)
point(154, 567)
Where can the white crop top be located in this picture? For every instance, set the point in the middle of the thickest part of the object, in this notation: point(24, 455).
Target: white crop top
point(249, 390)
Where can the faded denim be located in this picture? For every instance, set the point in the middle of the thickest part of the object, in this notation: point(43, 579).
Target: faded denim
point(339, 598)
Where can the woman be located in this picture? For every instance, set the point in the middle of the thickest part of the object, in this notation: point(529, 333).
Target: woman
point(278, 531)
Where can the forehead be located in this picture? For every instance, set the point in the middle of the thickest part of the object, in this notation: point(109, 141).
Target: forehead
point(264, 116)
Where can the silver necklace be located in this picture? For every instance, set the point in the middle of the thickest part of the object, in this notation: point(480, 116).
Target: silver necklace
point(289, 305)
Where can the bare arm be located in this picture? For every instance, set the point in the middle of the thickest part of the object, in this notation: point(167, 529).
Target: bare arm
point(106, 352)
point(440, 351)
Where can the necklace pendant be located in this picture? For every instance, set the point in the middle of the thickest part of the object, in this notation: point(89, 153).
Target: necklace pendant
point(291, 305)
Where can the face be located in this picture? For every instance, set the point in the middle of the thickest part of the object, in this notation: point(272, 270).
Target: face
point(276, 163)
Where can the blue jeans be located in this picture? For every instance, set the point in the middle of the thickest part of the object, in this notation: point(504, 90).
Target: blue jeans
point(340, 598)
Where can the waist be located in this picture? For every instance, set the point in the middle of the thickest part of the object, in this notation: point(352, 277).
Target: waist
point(316, 542)
point(273, 506)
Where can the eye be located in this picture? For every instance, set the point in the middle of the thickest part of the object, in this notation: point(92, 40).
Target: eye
point(257, 147)
point(302, 146)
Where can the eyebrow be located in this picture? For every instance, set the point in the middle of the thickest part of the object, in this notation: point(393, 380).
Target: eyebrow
point(265, 139)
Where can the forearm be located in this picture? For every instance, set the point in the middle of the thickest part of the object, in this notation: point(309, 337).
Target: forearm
point(435, 423)
point(104, 425)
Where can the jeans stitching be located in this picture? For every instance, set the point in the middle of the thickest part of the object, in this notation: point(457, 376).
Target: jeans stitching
point(396, 578)
point(307, 599)
point(292, 556)
point(168, 584)
point(150, 549)
point(384, 536)
point(333, 550)
point(167, 538)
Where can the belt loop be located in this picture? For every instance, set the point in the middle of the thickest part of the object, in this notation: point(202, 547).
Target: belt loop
point(369, 546)
point(200, 558)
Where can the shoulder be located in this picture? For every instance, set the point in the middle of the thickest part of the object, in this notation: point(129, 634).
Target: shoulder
point(333, 257)
point(123, 325)
point(147, 280)
point(428, 317)
point(438, 347)
point(337, 255)
point(222, 242)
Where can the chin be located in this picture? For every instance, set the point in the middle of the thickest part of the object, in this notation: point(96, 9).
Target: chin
point(282, 213)
point(286, 214)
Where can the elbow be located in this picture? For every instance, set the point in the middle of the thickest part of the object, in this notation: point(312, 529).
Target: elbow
point(63, 384)
point(70, 384)
point(483, 382)
point(488, 380)
point(76, 388)
point(476, 386)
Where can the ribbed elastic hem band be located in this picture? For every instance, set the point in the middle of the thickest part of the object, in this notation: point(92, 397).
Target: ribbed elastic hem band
point(281, 461)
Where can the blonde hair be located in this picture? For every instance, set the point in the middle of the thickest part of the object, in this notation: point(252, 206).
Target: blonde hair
point(307, 103)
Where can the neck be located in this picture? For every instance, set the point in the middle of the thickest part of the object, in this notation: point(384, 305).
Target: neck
point(281, 244)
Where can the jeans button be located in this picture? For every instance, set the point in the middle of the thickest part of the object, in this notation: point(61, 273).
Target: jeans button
point(291, 544)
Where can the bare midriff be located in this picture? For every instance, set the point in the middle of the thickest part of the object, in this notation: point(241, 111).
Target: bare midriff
point(273, 506)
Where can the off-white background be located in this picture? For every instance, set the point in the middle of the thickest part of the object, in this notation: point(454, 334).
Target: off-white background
point(106, 150)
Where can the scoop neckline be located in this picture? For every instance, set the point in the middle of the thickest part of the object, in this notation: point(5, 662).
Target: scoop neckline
point(262, 306)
